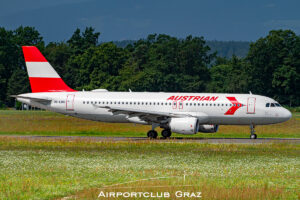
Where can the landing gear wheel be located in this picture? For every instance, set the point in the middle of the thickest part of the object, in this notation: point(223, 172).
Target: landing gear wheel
point(152, 134)
point(253, 136)
point(166, 133)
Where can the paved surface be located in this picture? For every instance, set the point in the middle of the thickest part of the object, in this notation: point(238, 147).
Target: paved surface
point(172, 139)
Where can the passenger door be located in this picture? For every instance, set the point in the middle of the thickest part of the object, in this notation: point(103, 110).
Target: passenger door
point(251, 105)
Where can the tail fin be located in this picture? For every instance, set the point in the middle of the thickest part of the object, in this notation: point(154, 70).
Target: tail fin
point(42, 76)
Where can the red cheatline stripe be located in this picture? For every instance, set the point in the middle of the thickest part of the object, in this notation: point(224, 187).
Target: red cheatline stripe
point(49, 85)
point(236, 105)
point(32, 54)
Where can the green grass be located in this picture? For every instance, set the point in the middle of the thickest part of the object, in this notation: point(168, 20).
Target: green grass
point(81, 168)
point(49, 123)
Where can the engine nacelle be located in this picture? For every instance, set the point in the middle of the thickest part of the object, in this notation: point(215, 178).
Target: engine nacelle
point(186, 125)
point(208, 128)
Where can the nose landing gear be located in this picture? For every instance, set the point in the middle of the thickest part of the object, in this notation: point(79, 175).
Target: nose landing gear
point(253, 135)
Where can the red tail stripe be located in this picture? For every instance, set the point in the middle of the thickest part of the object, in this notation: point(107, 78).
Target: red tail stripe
point(49, 85)
point(32, 54)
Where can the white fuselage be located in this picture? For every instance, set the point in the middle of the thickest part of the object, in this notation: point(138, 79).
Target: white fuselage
point(210, 108)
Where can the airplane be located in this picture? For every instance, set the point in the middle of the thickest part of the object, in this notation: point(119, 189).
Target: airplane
point(183, 113)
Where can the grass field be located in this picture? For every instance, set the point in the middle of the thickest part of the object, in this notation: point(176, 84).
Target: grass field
point(48, 123)
point(81, 169)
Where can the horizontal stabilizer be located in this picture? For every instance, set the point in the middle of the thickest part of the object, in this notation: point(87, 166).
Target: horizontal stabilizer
point(38, 100)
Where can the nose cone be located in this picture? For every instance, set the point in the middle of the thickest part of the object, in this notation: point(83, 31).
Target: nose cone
point(286, 114)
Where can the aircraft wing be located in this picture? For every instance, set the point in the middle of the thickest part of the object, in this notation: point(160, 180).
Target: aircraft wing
point(146, 115)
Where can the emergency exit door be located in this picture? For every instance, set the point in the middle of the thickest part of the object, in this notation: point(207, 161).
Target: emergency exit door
point(251, 105)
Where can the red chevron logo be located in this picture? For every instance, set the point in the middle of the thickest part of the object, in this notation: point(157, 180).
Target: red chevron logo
point(235, 105)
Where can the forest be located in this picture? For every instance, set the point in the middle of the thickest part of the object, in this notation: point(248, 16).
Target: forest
point(158, 62)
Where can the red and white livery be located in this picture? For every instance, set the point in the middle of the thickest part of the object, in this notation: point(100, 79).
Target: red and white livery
point(42, 76)
point(185, 113)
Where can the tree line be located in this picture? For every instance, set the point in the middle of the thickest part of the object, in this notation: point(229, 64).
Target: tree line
point(157, 63)
point(223, 48)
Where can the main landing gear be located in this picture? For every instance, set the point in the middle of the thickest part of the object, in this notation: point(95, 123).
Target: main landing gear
point(166, 133)
point(253, 135)
point(152, 134)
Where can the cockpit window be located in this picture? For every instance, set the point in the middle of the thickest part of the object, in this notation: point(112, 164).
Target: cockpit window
point(272, 105)
point(268, 105)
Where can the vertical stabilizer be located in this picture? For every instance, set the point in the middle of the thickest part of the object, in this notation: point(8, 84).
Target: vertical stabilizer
point(42, 76)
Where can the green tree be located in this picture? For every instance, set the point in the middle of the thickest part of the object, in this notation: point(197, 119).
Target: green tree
point(165, 63)
point(11, 56)
point(97, 66)
point(58, 55)
point(18, 83)
point(79, 42)
point(229, 77)
point(274, 66)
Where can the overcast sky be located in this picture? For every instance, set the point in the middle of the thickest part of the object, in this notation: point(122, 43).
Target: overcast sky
point(238, 20)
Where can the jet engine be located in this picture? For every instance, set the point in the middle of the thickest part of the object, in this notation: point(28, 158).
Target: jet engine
point(208, 128)
point(185, 125)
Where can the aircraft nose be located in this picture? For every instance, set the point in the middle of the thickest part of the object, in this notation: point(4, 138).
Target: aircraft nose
point(286, 114)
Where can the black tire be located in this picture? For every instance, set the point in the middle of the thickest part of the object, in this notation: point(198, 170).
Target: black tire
point(166, 133)
point(253, 136)
point(152, 134)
